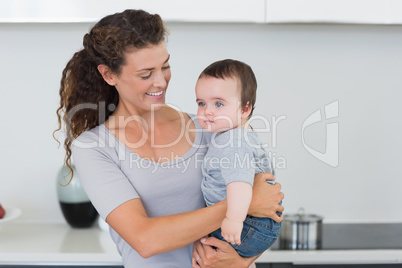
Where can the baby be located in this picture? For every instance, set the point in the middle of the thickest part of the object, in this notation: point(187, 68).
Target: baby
point(226, 94)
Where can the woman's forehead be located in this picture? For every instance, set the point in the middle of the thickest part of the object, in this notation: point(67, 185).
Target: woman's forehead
point(148, 57)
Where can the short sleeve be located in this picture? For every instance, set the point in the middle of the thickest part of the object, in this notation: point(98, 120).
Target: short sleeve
point(237, 164)
point(236, 156)
point(100, 174)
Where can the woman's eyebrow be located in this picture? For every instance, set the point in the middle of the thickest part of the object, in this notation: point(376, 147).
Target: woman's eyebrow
point(150, 69)
point(168, 58)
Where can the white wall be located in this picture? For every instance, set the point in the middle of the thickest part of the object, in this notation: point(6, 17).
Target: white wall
point(300, 69)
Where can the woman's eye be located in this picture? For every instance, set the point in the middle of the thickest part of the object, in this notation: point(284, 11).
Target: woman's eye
point(166, 67)
point(219, 104)
point(146, 76)
point(202, 104)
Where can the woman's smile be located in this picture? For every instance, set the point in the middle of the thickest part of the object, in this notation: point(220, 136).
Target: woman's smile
point(158, 94)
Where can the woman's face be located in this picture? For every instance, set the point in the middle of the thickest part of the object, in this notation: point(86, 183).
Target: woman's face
point(144, 79)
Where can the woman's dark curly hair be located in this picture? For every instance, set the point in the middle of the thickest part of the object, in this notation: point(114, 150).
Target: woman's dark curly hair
point(83, 92)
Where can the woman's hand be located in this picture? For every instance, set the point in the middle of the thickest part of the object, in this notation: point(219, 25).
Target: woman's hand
point(266, 198)
point(212, 252)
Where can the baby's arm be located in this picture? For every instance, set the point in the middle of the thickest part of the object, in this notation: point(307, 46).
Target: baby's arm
point(239, 196)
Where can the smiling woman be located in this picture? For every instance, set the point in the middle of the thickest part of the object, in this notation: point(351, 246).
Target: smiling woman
point(143, 80)
point(83, 73)
point(139, 159)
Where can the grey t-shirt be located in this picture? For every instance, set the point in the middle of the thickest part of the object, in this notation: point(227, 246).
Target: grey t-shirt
point(235, 155)
point(112, 174)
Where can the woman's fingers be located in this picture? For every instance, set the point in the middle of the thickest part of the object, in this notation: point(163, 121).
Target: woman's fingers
point(265, 177)
point(194, 262)
point(215, 243)
point(196, 255)
point(277, 218)
point(280, 208)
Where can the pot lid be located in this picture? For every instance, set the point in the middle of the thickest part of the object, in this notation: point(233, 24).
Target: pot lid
point(302, 217)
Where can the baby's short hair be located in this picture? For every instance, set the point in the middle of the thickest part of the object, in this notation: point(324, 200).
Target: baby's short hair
point(235, 69)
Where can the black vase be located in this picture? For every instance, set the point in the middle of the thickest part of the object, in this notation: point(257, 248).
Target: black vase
point(74, 203)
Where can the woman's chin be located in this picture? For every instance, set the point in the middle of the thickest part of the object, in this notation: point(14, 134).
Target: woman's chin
point(158, 106)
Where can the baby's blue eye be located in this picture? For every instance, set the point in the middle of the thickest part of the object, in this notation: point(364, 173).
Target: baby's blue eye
point(202, 104)
point(219, 104)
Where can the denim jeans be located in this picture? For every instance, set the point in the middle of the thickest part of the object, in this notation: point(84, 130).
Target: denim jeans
point(258, 235)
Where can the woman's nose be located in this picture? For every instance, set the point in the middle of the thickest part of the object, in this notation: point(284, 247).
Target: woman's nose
point(160, 80)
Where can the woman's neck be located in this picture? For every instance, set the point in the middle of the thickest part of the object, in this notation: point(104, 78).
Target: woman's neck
point(124, 117)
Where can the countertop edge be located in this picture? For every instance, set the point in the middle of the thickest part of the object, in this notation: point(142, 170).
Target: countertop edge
point(365, 256)
point(277, 256)
point(98, 259)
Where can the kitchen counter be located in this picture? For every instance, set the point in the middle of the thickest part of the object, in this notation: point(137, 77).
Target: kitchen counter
point(56, 243)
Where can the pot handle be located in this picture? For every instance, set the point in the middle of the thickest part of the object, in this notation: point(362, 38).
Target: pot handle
point(301, 212)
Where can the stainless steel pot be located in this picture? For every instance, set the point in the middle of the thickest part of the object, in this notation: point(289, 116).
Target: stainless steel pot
point(301, 231)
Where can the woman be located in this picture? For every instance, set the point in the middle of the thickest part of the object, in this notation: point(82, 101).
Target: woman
point(137, 158)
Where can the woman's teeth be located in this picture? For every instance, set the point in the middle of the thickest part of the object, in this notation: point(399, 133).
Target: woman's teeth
point(155, 93)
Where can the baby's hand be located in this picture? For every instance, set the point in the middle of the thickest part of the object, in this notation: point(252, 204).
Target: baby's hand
point(231, 230)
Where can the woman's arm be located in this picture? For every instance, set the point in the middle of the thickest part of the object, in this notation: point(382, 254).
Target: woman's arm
point(151, 236)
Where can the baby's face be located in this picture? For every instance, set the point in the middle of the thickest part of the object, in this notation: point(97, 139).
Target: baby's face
point(219, 104)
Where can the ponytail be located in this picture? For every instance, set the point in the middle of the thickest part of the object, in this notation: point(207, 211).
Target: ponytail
point(86, 100)
point(83, 96)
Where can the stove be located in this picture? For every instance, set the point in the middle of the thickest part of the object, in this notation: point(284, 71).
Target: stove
point(359, 236)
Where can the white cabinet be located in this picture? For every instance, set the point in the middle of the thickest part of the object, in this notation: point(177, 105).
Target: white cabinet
point(254, 11)
point(170, 10)
point(334, 11)
point(208, 10)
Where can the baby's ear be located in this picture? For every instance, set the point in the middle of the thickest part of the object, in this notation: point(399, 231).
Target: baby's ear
point(246, 110)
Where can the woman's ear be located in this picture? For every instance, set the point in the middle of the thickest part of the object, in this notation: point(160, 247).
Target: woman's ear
point(107, 74)
point(246, 111)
